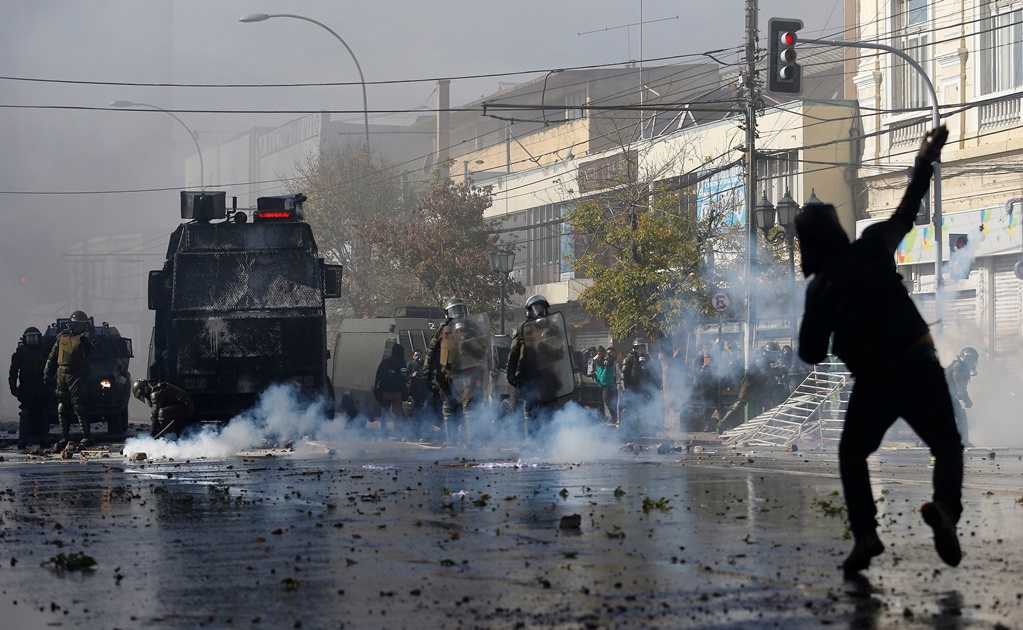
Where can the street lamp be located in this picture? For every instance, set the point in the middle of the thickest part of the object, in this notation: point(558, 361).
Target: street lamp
point(501, 262)
point(130, 105)
point(261, 17)
point(787, 210)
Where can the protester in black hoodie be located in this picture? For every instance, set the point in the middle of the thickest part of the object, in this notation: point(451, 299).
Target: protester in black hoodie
point(857, 294)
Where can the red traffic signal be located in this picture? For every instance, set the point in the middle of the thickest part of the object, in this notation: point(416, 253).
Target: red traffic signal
point(784, 74)
point(957, 241)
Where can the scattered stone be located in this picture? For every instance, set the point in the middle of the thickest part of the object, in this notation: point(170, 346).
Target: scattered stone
point(572, 521)
point(791, 448)
point(697, 449)
point(991, 455)
point(663, 448)
point(138, 457)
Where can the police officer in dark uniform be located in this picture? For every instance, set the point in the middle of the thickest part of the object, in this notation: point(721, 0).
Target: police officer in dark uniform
point(439, 362)
point(760, 390)
point(640, 383)
point(171, 406)
point(390, 389)
point(520, 373)
point(68, 367)
point(958, 375)
point(27, 385)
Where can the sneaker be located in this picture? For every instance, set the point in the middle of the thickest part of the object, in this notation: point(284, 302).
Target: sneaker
point(865, 548)
point(945, 539)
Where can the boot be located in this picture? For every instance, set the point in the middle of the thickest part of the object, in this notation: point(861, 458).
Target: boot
point(61, 444)
point(86, 435)
point(945, 539)
point(866, 547)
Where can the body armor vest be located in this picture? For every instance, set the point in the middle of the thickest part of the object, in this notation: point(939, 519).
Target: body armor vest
point(70, 352)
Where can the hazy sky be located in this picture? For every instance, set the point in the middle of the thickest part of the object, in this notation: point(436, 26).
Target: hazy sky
point(201, 41)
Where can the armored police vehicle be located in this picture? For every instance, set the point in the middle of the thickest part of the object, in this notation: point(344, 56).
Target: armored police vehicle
point(108, 382)
point(240, 305)
point(361, 344)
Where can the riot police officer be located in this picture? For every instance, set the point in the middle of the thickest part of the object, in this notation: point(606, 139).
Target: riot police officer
point(27, 385)
point(68, 367)
point(459, 391)
point(640, 385)
point(171, 406)
point(958, 375)
point(523, 372)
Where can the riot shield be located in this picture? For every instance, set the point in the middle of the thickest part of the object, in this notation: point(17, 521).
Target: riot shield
point(548, 358)
point(471, 361)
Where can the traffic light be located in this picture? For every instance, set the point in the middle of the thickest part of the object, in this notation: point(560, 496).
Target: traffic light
point(957, 242)
point(785, 76)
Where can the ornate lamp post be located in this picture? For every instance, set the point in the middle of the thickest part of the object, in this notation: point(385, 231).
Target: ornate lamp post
point(501, 263)
point(787, 210)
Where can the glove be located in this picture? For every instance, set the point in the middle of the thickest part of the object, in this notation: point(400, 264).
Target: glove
point(930, 147)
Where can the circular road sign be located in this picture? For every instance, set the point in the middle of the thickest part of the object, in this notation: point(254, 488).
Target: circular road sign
point(720, 302)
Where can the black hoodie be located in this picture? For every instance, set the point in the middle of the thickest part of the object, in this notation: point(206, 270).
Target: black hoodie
point(856, 291)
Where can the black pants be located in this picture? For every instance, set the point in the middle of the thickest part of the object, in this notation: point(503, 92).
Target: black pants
point(912, 387)
point(34, 414)
point(609, 395)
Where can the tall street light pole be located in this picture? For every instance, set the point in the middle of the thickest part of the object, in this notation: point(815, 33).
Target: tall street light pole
point(502, 262)
point(131, 105)
point(261, 17)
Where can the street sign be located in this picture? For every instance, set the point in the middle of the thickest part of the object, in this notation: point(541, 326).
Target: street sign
point(720, 302)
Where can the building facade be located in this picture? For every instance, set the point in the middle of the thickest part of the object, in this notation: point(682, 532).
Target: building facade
point(972, 52)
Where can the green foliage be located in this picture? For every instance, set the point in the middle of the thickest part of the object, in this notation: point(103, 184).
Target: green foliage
point(77, 561)
point(444, 245)
point(660, 505)
point(647, 258)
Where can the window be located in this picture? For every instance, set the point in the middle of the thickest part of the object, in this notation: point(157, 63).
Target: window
point(1001, 46)
point(572, 102)
point(909, 33)
point(548, 234)
point(778, 175)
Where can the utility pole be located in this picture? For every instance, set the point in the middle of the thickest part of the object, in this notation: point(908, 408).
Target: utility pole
point(751, 174)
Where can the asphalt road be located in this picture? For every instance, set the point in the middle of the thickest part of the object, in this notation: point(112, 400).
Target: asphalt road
point(372, 534)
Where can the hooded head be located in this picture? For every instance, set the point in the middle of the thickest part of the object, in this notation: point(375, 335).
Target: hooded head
point(820, 236)
point(398, 351)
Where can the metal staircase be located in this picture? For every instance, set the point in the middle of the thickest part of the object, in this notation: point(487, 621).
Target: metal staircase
point(814, 412)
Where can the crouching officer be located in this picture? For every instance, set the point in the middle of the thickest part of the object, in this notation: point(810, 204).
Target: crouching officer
point(171, 406)
point(68, 367)
point(26, 381)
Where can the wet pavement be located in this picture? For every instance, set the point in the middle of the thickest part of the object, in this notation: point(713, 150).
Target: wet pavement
point(368, 534)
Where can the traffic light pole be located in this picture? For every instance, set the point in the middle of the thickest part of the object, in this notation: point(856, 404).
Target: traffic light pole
point(751, 176)
point(935, 122)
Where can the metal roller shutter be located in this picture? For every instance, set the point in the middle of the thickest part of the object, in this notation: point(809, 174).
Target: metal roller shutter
point(1007, 343)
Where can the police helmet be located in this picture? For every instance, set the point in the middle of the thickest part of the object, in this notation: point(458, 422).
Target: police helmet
point(640, 346)
point(140, 389)
point(969, 355)
point(79, 317)
point(772, 346)
point(31, 336)
point(456, 308)
point(537, 306)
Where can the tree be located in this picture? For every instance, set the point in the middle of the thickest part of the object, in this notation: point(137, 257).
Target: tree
point(649, 255)
point(445, 247)
point(348, 195)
